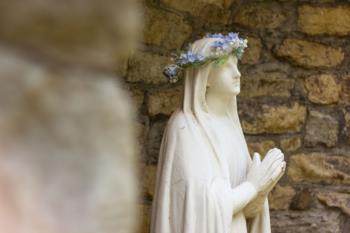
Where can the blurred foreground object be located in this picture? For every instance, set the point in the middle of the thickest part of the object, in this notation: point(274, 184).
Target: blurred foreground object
point(67, 141)
point(66, 151)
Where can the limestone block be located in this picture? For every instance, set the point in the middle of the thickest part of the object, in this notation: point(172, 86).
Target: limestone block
point(165, 29)
point(147, 67)
point(318, 167)
point(321, 129)
point(324, 20)
point(310, 54)
point(260, 15)
point(276, 119)
point(322, 89)
point(266, 84)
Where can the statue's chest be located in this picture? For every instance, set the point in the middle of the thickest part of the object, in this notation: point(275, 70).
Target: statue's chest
point(232, 149)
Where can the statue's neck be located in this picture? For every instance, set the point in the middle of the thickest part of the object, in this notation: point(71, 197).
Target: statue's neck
point(218, 104)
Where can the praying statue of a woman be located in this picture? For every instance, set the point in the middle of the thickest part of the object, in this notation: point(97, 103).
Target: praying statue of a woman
point(206, 179)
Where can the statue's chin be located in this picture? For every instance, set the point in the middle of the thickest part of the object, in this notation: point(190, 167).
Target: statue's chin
point(236, 91)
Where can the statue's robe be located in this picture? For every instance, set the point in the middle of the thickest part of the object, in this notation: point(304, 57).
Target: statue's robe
point(196, 190)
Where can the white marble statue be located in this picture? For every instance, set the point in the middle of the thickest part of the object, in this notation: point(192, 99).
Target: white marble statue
point(206, 180)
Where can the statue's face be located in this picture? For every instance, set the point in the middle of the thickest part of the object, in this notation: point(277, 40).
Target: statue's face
point(225, 78)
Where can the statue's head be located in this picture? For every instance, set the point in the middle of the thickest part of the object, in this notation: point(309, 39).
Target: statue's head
point(224, 79)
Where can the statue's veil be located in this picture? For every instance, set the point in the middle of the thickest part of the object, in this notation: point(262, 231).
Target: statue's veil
point(194, 101)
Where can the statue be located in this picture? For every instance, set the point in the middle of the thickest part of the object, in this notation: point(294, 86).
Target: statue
point(206, 180)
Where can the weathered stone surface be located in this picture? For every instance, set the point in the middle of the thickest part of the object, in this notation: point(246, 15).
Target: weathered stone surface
point(291, 144)
point(321, 129)
point(317, 167)
point(257, 118)
point(165, 29)
point(319, 221)
point(302, 200)
point(148, 180)
point(281, 197)
point(213, 11)
point(324, 20)
point(89, 32)
point(338, 200)
point(147, 68)
point(345, 90)
point(260, 15)
point(261, 147)
point(347, 125)
point(153, 141)
point(322, 89)
point(266, 84)
point(310, 54)
point(252, 53)
point(164, 101)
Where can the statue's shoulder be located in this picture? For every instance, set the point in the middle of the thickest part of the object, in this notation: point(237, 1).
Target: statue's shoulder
point(178, 121)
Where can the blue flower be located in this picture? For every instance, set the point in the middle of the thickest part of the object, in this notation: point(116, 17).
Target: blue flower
point(215, 35)
point(232, 36)
point(171, 71)
point(189, 57)
point(200, 57)
point(219, 44)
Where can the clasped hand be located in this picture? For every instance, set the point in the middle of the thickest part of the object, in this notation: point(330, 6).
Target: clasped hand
point(265, 174)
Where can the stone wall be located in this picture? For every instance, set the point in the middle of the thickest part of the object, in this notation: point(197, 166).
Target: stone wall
point(295, 95)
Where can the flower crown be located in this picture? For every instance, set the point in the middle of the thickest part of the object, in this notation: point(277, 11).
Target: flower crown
point(221, 50)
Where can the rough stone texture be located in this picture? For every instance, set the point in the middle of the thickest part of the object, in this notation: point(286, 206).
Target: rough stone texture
point(165, 29)
point(322, 89)
point(319, 221)
point(345, 90)
point(266, 84)
point(338, 200)
point(302, 200)
point(321, 129)
point(253, 52)
point(281, 197)
point(261, 147)
point(318, 167)
point(213, 11)
point(310, 54)
point(260, 16)
point(154, 139)
point(291, 144)
point(347, 126)
point(274, 119)
point(142, 63)
point(324, 20)
point(164, 101)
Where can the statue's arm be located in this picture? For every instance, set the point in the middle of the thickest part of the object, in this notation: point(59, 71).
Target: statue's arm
point(242, 195)
point(255, 206)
